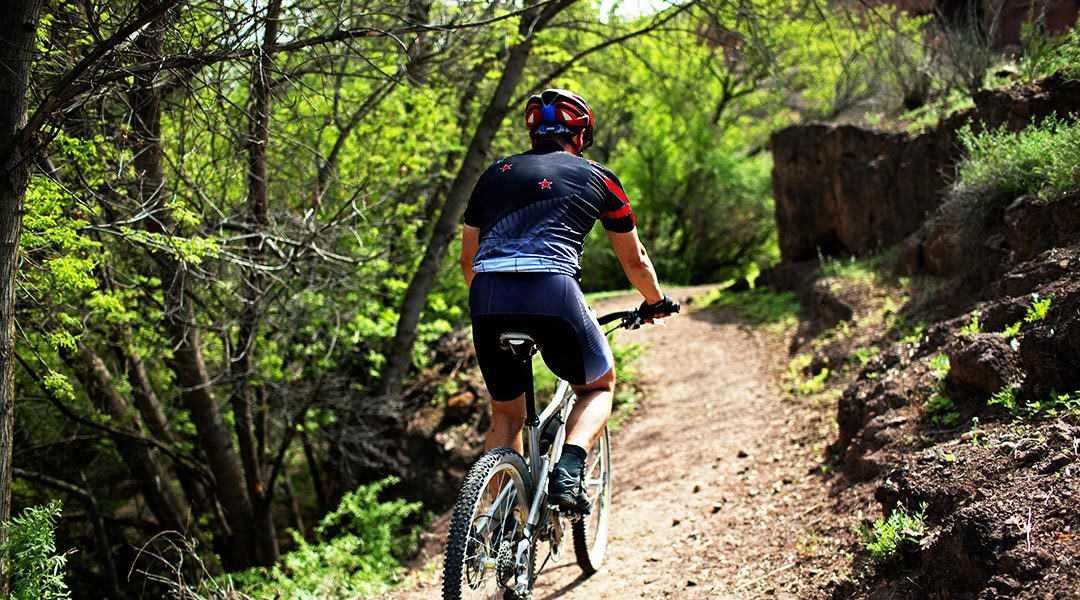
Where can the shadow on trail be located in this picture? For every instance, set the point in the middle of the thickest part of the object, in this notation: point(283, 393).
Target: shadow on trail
point(556, 572)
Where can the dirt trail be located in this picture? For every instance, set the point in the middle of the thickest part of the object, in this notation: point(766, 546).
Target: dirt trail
point(716, 485)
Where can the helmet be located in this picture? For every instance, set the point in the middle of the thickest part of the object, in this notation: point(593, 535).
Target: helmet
point(560, 111)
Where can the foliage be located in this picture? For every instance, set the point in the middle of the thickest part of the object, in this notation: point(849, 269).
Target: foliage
point(1036, 312)
point(795, 380)
point(1039, 306)
point(357, 551)
point(974, 326)
point(1042, 159)
point(1055, 405)
point(759, 306)
point(886, 539)
point(30, 555)
point(1043, 55)
point(942, 410)
point(939, 366)
point(856, 270)
point(1006, 398)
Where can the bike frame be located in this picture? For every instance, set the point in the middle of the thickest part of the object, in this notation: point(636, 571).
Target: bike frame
point(562, 402)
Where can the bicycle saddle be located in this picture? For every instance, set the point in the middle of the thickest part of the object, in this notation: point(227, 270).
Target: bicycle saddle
point(518, 343)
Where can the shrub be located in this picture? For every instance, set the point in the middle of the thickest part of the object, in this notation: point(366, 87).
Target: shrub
point(37, 571)
point(357, 550)
point(885, 538)
point(1042, 159)
point(1044, 55)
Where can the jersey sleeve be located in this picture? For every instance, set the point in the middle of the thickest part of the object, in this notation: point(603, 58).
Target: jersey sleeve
point(617, 216)
point(474, 209)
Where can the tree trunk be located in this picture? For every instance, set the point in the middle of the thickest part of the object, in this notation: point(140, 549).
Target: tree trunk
point(18, 29)
point(242, 363)
point(154, 481)
point(399, 357)
point(196, 389)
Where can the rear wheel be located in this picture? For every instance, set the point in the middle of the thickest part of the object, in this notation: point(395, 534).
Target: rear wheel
point(591, 530)
point(486, 527)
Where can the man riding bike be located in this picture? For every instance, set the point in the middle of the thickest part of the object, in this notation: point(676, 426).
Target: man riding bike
point(525, 227)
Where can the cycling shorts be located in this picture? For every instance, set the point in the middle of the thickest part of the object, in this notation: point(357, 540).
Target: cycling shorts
point(547, 306)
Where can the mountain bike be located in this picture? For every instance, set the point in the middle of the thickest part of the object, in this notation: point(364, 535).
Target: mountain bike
point(502, 520)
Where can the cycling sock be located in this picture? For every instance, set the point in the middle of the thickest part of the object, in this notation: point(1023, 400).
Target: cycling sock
point(573, 459)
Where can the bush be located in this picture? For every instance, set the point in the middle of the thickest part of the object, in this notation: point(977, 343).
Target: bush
point(1042, 160)
point(885, 538)
point(357, 551)
point(37, 571)
point(1044, 55)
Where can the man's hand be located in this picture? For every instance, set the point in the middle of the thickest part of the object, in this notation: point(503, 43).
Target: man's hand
point(657, 310)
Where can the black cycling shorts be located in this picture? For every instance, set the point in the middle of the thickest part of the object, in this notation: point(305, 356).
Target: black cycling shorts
point(547, 306)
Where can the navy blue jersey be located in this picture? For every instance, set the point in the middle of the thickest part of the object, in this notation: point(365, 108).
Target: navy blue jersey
point(535, 209)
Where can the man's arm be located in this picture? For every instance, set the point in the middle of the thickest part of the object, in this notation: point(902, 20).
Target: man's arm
point(636, 264)
point(470, 241)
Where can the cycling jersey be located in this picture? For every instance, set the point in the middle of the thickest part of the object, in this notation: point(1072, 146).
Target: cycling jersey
point(535, 209)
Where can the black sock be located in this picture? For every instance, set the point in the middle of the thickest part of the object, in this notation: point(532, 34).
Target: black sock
point(572, 459)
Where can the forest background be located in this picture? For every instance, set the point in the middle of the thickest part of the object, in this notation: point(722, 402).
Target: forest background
point(224, 225)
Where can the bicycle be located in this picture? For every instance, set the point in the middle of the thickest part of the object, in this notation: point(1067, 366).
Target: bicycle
point(501, 513)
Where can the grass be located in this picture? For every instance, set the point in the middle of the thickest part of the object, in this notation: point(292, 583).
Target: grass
point(867, 270)
point(1042, 160)
point(758, 306)
point(885, 538)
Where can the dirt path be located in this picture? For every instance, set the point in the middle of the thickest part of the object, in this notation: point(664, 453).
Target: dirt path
point(717, 491)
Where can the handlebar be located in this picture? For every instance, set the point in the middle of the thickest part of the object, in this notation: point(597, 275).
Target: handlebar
point(628, 319)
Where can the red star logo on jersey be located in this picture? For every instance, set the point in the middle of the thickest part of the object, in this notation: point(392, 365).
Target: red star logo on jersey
point(545, 184)
point(505, 167)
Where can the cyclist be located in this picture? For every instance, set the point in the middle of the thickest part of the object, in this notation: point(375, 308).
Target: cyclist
point(525, 226)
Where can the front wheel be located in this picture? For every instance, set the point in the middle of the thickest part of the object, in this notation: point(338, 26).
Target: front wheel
point(591, 530)
point(487, 525)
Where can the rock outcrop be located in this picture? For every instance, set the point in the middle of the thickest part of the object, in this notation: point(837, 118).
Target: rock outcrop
point(845, 189)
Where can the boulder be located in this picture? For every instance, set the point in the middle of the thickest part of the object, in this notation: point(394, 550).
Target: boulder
point(983, 362)
point(1033, 225)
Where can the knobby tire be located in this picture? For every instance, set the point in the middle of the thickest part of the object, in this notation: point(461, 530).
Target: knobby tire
point(496, 460)
point(591, 530)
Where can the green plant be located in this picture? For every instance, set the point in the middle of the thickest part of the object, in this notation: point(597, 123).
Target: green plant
point(37, 570)
point(942, 410)
point(915, 334)
point(939, 366)
point(797, 384)
point(1043, 55)
point(885, 538)
point(864, 354)
point(1035, 313)
point(357, 551)
point(1006, 398)
point(1039, 306)
point(1055, 405)
point(759, 306)
point(1043, 159)
point(973, 327)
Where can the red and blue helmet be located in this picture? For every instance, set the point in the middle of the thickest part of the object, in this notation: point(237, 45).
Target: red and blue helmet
point(560, 111)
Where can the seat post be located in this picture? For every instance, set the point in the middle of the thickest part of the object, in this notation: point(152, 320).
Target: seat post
point(531, 420)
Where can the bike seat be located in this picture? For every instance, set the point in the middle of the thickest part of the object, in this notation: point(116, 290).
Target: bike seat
point(518, 343)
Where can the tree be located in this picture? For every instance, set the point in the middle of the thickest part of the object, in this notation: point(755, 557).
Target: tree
point(17, 35)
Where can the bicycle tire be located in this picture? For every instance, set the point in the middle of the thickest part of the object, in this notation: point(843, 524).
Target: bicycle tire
point(591, 531)
point(465, 581)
